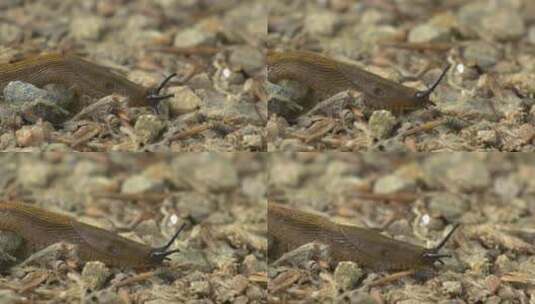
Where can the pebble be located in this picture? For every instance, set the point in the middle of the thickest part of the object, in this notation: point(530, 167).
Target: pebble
point(87, 28)
point(216, 106)
point(453, 288)
point(9, 33)
point(195, 36)
point(321, 23)
point(248, 59)
point(140, 184)
point(95, 274)
point(185, 101)
point(428, 33)
point(347, 275)
point(148, 128)
point(10, 243)
point(483, 54)
point(488, 137)
point(392, 184)
point(34, 135)
point(466, 171)
point(382, 124)
point(19, 92)
point(449, 205)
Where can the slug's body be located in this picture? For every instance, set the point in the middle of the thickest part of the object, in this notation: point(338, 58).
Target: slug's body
point(328, 77)
point(290, 228)
point(85, 77)
point(40, 228)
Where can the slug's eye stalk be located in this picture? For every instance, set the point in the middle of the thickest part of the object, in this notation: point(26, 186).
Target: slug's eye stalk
point(425, 94)
point(159, 254)
point(432, 254)
point(154, 96)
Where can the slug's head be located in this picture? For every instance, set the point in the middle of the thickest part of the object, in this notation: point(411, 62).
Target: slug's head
point(158, 255)
point(430, 256)
point(153, 96)
point(422, 97)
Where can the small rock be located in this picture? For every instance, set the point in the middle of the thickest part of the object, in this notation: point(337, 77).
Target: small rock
point(449, 205)
point(488, 137)
point(253, 142)
point(306, 253)
point(483, 54)
point(392, 184)
point(185, 101)
point(140, 184)
point(531, 35)
point(19, 92)
point(428, 33)
point(10, 243)
point(504, 24)
point(148, 127)
point(453, 288)
point(87, 27)
point(33, 136)
point(95, 275)
point(201, 288)
point(9, 33)
point(321, 23)
point(466, 171)
point(218, 174)
point(195, 36)
point(382, 124)
point(247, 58)
point(347, 275)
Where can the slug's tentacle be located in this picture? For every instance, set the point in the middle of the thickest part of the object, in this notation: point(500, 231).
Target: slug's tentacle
point(161, 253)
point(426, 93)
point(433, 255)
point(154, 96)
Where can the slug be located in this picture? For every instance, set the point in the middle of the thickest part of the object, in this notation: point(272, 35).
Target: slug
point(290, 228)
point(41, 228)
point(85, 77)
point(328, 77)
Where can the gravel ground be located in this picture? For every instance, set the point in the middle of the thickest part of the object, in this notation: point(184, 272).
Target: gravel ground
point(485, 103)
point(213, 46)
point(413, 198)
point(221, 200)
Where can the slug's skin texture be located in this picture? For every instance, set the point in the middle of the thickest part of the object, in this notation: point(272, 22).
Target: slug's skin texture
point(40, 228)
point(328, 77)
point(85, 77)
point(290, 228)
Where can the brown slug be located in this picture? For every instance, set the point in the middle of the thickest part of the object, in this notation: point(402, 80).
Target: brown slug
point(85, 77)
point(328, 77)
point(290, 228)
point(41, 228)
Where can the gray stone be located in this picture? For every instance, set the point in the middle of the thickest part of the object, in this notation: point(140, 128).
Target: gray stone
point(382, 124)
point(148, 127)
point(185, 101)
point(95, 274)
point(321, 23)
point(250, 59)
point(195, 36)
point(140, 184)
point(448, 204)
point(481, 53)
point(347, 275)
point(428, 33)
point(392, 184)
point(19, 92)
point(87, 27)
